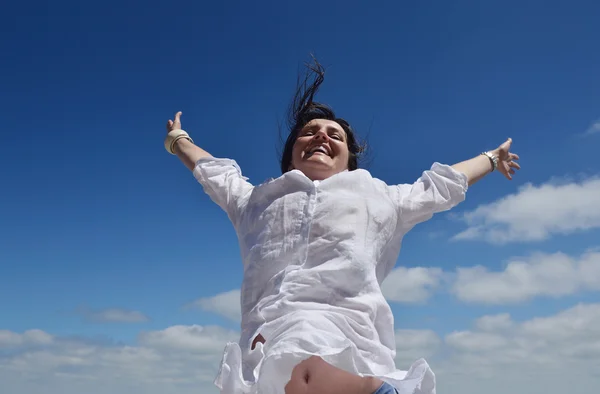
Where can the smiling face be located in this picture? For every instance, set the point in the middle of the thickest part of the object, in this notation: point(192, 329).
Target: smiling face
point(320, 149)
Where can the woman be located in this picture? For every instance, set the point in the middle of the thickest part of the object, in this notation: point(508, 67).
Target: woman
point(316, 244)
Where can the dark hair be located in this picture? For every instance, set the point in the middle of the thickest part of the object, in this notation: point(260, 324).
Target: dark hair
point(303, 109)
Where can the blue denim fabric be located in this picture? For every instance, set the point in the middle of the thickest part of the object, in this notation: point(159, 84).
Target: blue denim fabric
point(386, 388)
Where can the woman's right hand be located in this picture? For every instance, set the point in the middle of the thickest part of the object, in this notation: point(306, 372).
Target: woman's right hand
point(186, 150)
point(174, 124)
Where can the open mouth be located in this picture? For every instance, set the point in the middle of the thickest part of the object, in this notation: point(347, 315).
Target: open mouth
point(319, 150)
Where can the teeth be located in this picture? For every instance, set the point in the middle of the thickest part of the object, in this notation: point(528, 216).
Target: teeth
point(319, 149)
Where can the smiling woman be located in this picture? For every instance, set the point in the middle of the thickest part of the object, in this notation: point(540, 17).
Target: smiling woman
point(316, 244)
point(320, 150)
point(308, 119)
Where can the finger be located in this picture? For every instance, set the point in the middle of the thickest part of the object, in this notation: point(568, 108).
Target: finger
point(506, 145)
point(511, 172)
point(514, 156)
point(512, 164)
point(177, 122)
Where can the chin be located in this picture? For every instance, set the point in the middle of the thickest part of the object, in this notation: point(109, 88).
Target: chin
point(318, 167)
point(315, 176)
point(318, 172)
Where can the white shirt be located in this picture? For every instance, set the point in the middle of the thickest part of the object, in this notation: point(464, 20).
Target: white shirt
point(315, 254)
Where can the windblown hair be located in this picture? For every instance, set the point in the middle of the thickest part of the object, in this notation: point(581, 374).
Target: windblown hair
point(303, 109)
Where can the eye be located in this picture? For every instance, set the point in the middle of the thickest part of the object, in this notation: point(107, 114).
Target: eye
point(336, 137)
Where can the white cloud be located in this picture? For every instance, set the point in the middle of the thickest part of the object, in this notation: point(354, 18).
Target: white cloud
point(112, 315)
point(544, 355)
point(594, 128)
point(412, 345)
point(9, 339)
point(182, 359)
point(225, 304)
point(536, 213)
point(569, 338)
point(411, 285)
point(549, 275)
point(500, 322)
point(192, 339)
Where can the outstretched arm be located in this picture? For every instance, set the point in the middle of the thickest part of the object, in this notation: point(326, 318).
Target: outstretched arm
point(443, 187)
point(478, 167)
point(185, 149)
point(220, 178)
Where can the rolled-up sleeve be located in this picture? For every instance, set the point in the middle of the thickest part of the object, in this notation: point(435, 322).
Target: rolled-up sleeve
point(438, 189)
point(224, 183)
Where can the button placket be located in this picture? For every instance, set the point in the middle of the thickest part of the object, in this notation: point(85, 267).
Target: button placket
point(310, 212)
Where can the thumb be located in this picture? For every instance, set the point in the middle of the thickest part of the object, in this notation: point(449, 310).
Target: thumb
point(176, 121)
point(506, 145)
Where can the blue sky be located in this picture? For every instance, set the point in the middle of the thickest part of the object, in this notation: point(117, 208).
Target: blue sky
point(104, 236)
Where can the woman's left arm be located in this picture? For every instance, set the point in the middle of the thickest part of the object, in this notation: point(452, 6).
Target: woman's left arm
point(443, 187)
point(500, 158)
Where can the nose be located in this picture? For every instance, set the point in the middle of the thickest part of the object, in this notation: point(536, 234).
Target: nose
point(321, 135)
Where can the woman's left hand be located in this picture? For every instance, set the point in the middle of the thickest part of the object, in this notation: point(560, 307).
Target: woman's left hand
point(506, 160)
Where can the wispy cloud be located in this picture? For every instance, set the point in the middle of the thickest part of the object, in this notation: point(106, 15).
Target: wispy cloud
point(226, 304)
point(533, 353)
point(185, 359)
point(182, 359)
point(412, 345)
point(540, 275)
point(536, 213)
point(594, 128)
point(9, 339)
point(411, 285)
point(111, 315)
point(566, 338)
point(192, 339)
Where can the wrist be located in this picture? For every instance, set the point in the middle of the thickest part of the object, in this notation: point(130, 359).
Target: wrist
point(493, 158)
point(180, 143)
point(174, 138)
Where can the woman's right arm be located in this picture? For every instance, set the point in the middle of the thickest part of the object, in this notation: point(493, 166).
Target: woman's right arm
point(185, 149)
point(221, 179)
point(189, 153)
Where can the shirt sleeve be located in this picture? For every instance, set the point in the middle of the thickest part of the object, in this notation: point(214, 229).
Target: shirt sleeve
point(438, 189)
point(224, 183)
